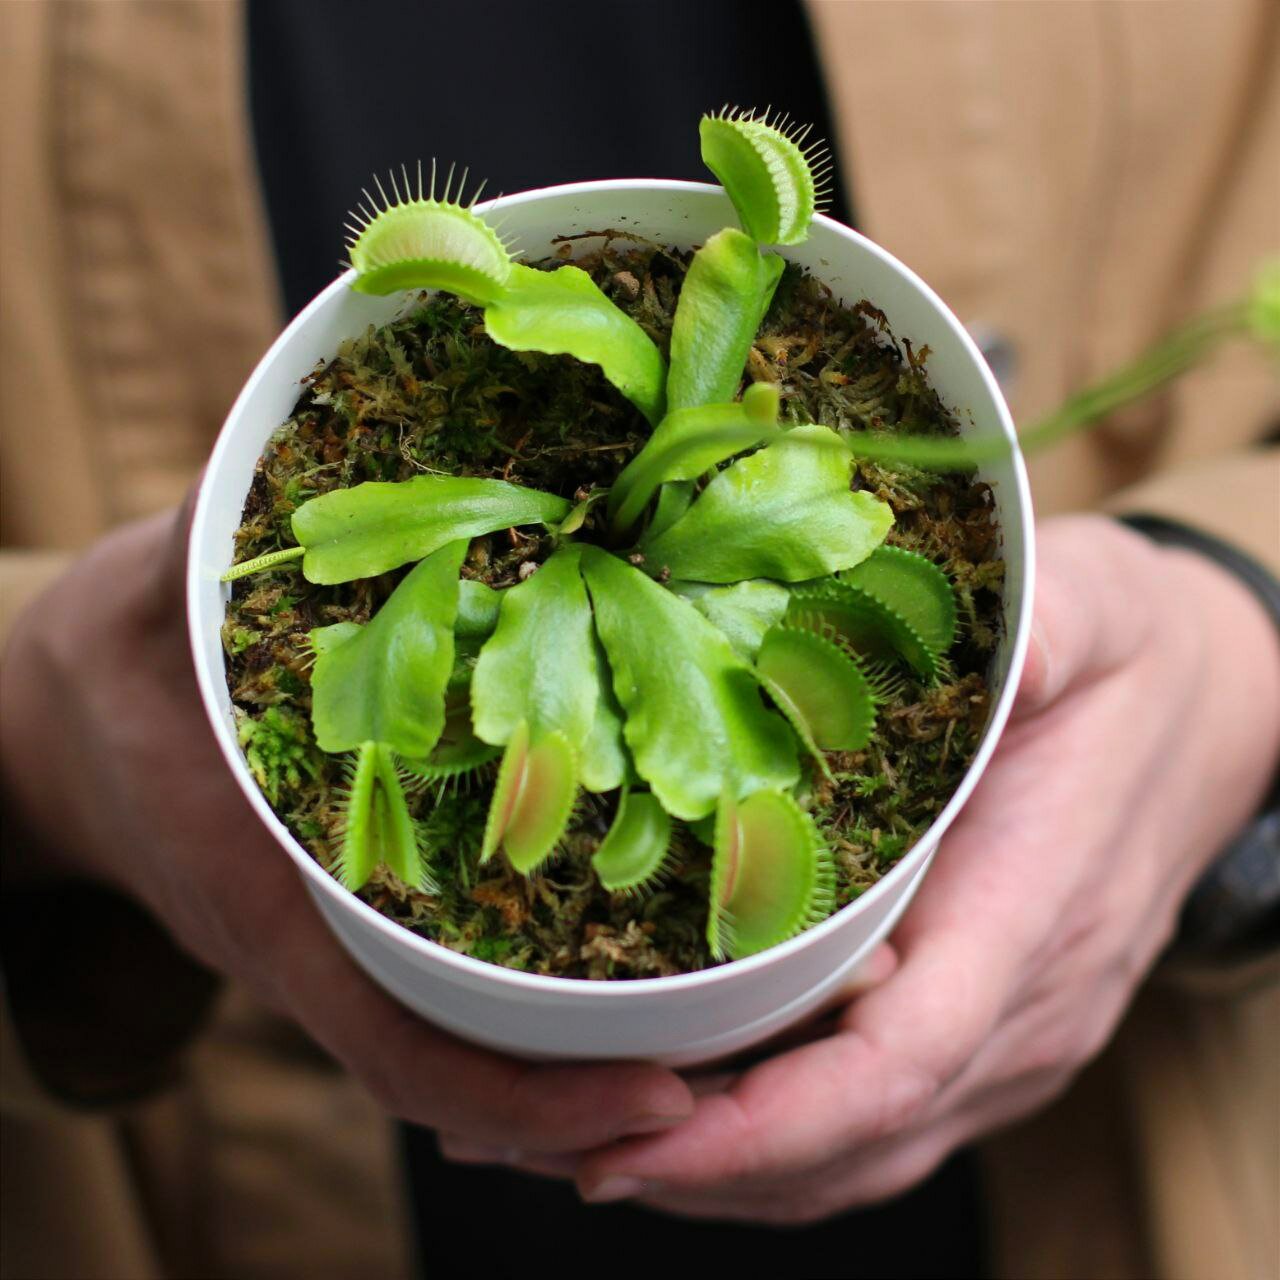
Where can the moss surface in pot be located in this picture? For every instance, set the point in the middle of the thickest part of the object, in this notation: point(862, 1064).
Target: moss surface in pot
point(587, 619)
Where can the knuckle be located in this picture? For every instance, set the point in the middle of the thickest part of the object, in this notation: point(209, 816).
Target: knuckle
point(902, 1106)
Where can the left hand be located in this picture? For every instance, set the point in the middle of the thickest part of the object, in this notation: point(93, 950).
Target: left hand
point(1146, 729)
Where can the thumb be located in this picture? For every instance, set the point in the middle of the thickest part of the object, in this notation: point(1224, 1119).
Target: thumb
point(1088, 618)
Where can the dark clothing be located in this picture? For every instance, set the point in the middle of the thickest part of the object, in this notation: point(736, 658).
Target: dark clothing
point(550, 100)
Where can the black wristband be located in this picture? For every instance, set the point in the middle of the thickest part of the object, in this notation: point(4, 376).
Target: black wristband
point(1233, 912)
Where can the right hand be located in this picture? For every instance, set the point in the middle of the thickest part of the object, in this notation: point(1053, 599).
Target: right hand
point(109, 763)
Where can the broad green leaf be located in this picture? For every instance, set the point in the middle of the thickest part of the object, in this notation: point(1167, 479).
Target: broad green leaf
point(380, 525)
point(602, 763)
point(563, 312)
point(695, 721)
point(322, 639)
point(539, 666)
point(743, 611)
point(478, 605)
point(634, 852)
point(725, 294)
point(850, 617)
point(673, 501)
point(914, 588)
point(770, 875)
point(387, 684)
point(785, 512)
point(820, 688)
point(458, 753)
point(688, 443)
point(765, 173)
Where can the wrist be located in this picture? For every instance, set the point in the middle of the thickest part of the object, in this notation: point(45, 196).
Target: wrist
point(1238, 719)
point(1207, 659)
point(1232, 912)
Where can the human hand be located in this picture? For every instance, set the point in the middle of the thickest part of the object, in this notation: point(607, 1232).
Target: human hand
point(1146, 728)
point(108, 761)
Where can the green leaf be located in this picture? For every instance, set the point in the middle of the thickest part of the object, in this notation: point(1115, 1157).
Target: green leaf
point(914, 588)
point(689, 442)
point(725, 294)
point(540, 664)
point(458, 753)
point(695, 721)
point(323, 639)
point(673, 501)
point(577, 517)
point(765, 173)
point(770, 875)
point(478, 606)
point(785, 512)
point(380, 525)
point(603, 764)
point(820, 688)
point(543, 667)
point(387, 683)
point(634, 852)
point(850, 617)
point(743, 611)
point(563, 312)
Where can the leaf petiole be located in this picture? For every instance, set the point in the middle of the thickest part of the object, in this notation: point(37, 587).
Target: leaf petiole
point(258, 563)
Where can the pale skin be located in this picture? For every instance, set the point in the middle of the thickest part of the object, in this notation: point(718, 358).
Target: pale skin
point(1146, 729)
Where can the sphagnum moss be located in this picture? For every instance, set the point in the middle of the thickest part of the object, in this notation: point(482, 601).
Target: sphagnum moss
point(431, 394)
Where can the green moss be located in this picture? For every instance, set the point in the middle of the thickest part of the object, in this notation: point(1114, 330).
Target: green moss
point(431, 393)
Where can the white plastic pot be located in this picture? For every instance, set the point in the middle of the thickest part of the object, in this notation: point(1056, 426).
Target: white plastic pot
point(693, 1017)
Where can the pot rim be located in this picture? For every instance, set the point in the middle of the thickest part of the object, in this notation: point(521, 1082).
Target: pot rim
point(319, 880)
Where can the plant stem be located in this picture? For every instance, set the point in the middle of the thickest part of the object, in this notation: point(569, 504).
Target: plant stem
point(1158, 365)
point(258, 563)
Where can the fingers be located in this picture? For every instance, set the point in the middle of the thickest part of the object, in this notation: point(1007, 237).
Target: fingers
point(1088, 618)
point(871, 1079)
point(430, 1078)
point(962, 946)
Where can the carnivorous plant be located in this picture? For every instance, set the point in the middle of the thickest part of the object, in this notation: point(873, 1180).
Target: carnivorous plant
point(726, 609)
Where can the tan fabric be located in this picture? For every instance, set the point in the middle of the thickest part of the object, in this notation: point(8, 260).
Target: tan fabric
point(1071, 176)
point(136, 294)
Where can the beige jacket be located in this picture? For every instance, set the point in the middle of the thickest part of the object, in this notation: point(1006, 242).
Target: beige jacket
point(1072, 177)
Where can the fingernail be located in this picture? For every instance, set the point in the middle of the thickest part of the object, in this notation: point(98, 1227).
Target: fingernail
point(652, 1123)
point(616, 1186)
point(466, 1152)
point(1037, 675)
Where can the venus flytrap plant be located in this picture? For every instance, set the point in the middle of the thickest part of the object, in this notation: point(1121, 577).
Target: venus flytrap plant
point(694, 638)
